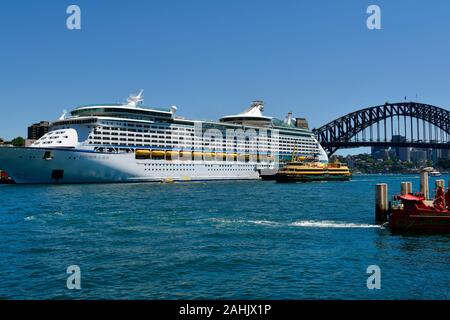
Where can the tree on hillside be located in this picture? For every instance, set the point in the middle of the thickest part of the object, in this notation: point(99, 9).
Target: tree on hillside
point(444, 163)
point(18, 142)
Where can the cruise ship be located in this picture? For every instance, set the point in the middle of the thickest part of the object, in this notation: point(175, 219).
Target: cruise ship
point(129, 142)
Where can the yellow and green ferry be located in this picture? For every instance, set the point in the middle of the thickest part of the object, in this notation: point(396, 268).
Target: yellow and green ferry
point(305, 169)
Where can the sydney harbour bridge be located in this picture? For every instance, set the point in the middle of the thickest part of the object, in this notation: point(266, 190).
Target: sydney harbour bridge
point(403, 124)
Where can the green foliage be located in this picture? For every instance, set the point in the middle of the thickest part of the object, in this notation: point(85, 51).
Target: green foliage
point(443, 163)
point(364, 163)
point(18, 142)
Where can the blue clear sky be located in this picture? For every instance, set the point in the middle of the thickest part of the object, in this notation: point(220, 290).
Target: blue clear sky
point(211, 58)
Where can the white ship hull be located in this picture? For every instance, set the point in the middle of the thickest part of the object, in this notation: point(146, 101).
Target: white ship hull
point(132, 143)
point(27, 165)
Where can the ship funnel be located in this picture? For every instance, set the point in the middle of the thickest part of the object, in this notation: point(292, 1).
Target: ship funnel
point(288, 120)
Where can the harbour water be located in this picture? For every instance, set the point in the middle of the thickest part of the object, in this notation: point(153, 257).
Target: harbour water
point(213, 240)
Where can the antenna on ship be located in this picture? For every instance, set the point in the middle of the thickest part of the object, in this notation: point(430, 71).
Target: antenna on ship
point(63, 116)
point(134, 101)
point(258, 104)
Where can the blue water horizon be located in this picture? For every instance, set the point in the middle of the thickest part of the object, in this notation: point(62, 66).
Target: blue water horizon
point(213, 240)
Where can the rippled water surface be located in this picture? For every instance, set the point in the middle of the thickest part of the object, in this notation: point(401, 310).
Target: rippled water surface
point(213, 240)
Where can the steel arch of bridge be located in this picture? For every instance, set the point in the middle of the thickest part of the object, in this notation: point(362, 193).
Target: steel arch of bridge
point(339, 133)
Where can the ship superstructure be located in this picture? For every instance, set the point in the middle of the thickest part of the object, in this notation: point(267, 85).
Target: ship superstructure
point(130, 142)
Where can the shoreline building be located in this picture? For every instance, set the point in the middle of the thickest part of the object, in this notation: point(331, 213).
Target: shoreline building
point(402, 153)
point(36, 131)
point(418, 155)
point(379, 153)
point(445, 153)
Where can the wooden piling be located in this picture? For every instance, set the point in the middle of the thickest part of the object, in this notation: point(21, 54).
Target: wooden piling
point(424, 188)
point(381, 202)
point(405, 188)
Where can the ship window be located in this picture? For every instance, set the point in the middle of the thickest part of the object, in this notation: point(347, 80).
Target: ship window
point(48, 155)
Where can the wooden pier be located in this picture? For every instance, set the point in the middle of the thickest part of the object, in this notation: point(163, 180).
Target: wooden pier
point(414, 211)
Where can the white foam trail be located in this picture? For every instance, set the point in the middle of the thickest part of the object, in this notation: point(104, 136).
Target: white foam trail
point(331, 224)
point(264, 222)
point(239, 221)
point(304, 223)
point(29, 218)
point(222, 220)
